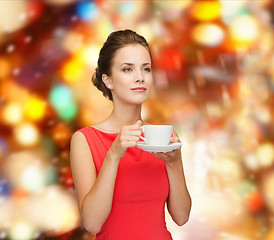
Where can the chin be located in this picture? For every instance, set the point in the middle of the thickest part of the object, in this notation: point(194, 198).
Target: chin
point(137, 101)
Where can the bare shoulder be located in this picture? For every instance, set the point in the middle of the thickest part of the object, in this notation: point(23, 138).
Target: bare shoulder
point(77, 136)
point(78, 140)
point(79, 145)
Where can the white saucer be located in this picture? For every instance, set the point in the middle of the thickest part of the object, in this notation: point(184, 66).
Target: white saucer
point(164, 148)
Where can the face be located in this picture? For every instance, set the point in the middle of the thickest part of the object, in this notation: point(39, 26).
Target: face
point(131, 75)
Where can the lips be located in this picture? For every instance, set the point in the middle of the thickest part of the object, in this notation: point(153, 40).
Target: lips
point(139, 89)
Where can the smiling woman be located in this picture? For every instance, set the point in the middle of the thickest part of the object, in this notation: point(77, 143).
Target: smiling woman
point(121, 189)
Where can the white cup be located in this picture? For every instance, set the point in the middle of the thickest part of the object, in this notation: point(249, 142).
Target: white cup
point(157, 135)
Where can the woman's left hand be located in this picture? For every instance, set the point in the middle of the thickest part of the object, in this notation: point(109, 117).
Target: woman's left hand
point(170, 157)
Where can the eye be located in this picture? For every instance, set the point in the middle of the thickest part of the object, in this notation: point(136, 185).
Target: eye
point(147, 69)
point(127, 69)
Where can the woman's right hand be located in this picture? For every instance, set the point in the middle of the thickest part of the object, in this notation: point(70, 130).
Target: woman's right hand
point(127, 137)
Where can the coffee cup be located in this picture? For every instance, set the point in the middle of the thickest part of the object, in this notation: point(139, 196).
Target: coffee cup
point(157, 135)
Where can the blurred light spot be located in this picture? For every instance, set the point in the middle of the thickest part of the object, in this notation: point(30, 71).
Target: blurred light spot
point(87, 11)
point(251, 161)
point(35, 9)
point(201, 160)
point(206, 10)
point(146, 30)
point(22, 16)
point(208, 34)
point(171, 9)
point(29, 172)
point(35, 108)
point(60, 95)
point(254, 201)
point(33, 179)
point(62, 100)
point(265, 154)
point(4, 187)
point(10, 48)
point(60, 3)
point(130, 11)
point(12, 15)
point(73, 41)
point(72, 70)
point(27, 39)
point(214, 110)
point(12, 113)
point(7, 209)
point(172, 4)
point(103, 28)
point(3, 235)
point(69, 112)
point(126, 8)
point(230, 9)
point(244, 30)
point(26, 134)
point(16, 71)
point(89, 55)
point(263, 115)
point(53, 209)
point(5, 68)
point(61, 134)
point(13, 92)
point(21, 230)
point(268, 190)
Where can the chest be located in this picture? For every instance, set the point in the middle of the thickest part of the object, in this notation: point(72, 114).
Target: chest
point(141, 177)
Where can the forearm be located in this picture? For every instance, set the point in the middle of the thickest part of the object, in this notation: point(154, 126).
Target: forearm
point(97, 204)
point(179, 200)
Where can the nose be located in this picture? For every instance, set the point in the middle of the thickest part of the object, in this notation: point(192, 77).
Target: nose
point(139, 77)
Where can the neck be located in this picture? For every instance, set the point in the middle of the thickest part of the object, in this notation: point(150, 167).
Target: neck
point(124, 115)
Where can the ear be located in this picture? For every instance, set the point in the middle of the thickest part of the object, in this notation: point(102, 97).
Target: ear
point(107, 81)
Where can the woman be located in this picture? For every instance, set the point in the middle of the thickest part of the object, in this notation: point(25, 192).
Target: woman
point(121, 189)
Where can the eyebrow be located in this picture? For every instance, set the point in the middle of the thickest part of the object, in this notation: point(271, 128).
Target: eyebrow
point(130, 64)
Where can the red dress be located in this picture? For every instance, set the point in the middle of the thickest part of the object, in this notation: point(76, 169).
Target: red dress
point(141, 190)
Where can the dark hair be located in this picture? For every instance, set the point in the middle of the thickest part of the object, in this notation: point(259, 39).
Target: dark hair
point(114, 42)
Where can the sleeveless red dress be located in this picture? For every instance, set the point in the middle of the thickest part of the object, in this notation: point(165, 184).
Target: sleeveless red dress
point(141, 190)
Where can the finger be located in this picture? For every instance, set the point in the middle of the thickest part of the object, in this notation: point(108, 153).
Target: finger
point(130, 138)
point(139, 123)
point(136, 133)
point(133, 127)
point(175, 139)
point(133, 139)
point(131, 143)
point(159, 154)
point(171, 154)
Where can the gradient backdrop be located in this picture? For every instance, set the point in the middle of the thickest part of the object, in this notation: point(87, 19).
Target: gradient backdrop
point(214, 81)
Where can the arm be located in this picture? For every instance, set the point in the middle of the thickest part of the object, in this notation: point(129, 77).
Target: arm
point(179, 200)
point(95, 194)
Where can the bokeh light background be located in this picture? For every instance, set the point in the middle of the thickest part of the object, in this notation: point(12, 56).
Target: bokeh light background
point(214, 81)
